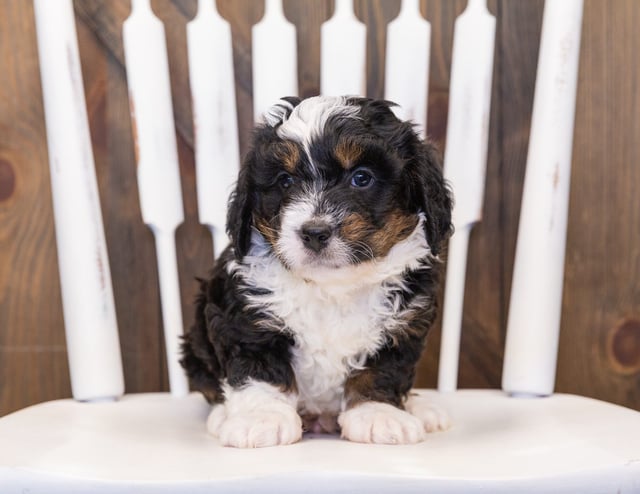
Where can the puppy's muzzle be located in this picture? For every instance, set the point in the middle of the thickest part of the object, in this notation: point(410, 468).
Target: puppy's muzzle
point(315, 235)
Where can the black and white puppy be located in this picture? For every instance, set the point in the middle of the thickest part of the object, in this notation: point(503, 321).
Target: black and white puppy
point(315, 317)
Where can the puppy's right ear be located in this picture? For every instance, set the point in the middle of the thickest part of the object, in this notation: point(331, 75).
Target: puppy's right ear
point(240, 211)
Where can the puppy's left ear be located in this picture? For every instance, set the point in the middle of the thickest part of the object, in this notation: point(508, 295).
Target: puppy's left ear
point(428, 192)
point(240, 212)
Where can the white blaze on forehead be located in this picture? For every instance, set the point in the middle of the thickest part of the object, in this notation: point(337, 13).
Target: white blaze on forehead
point(308, 119)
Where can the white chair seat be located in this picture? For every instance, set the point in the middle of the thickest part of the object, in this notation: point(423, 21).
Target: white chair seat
point(156, 443)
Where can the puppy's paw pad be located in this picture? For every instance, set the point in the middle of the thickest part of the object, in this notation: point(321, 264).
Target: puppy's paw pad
point(259, 429)
point(432, 416)
point(380, 423)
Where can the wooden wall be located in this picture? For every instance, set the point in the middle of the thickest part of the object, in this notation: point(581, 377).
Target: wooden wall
point(600, 341)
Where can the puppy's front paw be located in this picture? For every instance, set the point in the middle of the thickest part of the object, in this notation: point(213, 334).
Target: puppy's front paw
point(433, 417)
point(257, 429)
point(381, 423)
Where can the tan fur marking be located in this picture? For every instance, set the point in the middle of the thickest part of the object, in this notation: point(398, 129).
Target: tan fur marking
point(355, 228)
point(347, 153)
point(289, 154)
point(268, 232)
point(397, 227)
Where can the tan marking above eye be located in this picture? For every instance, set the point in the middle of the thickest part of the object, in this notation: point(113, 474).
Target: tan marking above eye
point(347, 153)
point(288, 154)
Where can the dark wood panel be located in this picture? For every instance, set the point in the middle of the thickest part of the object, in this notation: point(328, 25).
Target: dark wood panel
point(600, 339)
point(33, 363)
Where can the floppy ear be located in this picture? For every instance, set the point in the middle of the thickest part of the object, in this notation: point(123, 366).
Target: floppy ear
point(240, 211)
point(242, 201)
point(425, 187)
point(428, 191)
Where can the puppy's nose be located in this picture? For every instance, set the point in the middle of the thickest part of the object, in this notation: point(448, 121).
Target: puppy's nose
point(315, 235)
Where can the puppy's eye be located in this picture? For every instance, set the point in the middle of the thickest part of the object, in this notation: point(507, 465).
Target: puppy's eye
point(285, 180)
point(361, 179)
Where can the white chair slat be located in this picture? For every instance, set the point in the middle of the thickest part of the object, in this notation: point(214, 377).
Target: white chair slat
point(465, 161)
point(91, 328)
point(157, 165)
point(343, 53)
point(407, 64)
point(274, 59)
point(535, 307)
point(215, 122)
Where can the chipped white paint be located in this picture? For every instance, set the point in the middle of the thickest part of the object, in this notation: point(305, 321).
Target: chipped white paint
point(215, 122)
point(343, 52)
point(274, 59)
point(407, 64)
point(93, 346)
point(536, 292)
point(465, 163)
point(158, 170)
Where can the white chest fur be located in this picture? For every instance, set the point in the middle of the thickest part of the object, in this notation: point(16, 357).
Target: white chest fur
point(338, 317)
point(333, 335)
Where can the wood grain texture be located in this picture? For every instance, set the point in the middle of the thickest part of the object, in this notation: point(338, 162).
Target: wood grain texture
point(600, 336)
point(33, 360)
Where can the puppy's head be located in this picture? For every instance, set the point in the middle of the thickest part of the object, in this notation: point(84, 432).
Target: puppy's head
point(332, 182)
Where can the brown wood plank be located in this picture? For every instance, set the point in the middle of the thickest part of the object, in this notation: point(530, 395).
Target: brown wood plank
point(33, 365)
point(242, 14)
point(376, 14)
point(600, 336)
point(308, 17)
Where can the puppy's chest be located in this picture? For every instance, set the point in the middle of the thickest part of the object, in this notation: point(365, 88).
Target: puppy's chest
point(333, 336)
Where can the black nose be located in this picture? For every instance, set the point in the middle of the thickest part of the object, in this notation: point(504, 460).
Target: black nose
point(315, 235)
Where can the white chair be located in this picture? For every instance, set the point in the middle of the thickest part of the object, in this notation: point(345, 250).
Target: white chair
point(526, 440)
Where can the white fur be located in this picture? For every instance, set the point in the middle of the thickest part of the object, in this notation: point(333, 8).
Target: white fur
point(277, 113)
point(338, 317)
point(254, 416)
point(381, 423)
point(432, 417)
point(310, 206)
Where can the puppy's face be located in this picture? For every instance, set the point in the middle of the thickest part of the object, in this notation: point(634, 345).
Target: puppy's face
point(332, 182)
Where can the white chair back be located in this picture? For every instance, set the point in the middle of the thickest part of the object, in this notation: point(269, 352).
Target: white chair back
point(275, 74)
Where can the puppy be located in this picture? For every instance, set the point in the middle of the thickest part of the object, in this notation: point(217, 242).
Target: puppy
point(314, 318)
